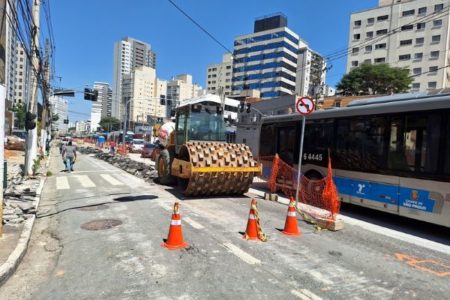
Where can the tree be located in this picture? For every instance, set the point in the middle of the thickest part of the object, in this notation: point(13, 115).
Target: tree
point(109, 123)
point(20, 110)
point(369, 79)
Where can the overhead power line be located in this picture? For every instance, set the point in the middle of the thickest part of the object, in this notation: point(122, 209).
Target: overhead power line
point(200, 26)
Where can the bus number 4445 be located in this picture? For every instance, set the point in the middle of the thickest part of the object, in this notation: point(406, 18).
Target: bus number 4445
point(311, 156)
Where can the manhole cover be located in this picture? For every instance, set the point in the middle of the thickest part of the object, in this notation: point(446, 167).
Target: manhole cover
point(94, 207)
point(101, 224)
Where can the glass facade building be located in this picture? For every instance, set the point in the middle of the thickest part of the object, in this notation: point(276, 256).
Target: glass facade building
point(266, 60)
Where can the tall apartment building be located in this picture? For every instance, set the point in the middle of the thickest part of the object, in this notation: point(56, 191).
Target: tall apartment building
point(219, 76)
point(311, 72)
point(60, 106)
point(412, 34)
point(22, 77)
point(144, 92)
point(104, 98)
point(266, 60)
point(180, 88)
point(129, 54)
point(11, 41)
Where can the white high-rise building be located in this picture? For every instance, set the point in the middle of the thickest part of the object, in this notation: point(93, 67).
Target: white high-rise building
point(60, 106)
point(104, 97)
point(181, 88)
point(311, 72)
point(144, 92)
point(22, 76)
point(129, 53)
point(10, 52)
point(96, 115)
point(219, 76)
point(266, 60)
point(411, 34)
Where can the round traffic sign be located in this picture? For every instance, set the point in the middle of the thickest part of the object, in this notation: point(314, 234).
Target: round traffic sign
point(304, 105)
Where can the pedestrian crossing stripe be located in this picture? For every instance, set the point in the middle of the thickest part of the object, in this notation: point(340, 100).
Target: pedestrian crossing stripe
point(62, 182)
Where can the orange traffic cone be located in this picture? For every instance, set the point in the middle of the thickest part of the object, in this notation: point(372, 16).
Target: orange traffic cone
point(291, 226)
point(253, 231)
point(175, 237)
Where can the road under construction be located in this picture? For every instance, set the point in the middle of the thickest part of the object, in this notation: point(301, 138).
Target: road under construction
point(104, 233)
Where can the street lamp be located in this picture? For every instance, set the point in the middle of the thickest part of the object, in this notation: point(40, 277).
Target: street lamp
point(125, 121)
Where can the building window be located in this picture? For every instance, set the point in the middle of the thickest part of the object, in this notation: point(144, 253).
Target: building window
point(382, 31)
point(417, 71)
point(410, 12)
point(437, 23)
point(369, 34)
point(433, 69)
point(416, 85)
point(420, 41)
point(370, 21)
point(368, 48)
point(435, 39)
point(357, 23)
point(355, 50)
point(438, 7)
point(421, 26)
point(380, 46)
point(432, 84)
point(404, 57)
point(407, 27)
point(418, 56)
point(406, 42)
point(383, 18)
point(434, 54)
point(228, 67)
point(379, 60)
point(356, 36)
point(354, 63)
point(422, 11)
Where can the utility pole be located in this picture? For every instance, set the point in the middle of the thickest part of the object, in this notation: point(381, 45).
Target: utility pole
point(31, 147)
point(45, 102)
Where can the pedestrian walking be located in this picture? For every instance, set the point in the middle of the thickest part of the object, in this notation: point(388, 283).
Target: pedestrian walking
point(112, 147)
point(69, 155)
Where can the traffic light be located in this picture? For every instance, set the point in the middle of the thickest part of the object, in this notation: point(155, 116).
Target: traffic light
point(30, 121)
point(66, 121)
point(90, 94)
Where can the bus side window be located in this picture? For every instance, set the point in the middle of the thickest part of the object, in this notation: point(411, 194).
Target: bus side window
point(414, 143)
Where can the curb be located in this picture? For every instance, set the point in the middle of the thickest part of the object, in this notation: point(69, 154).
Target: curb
point(14, 259)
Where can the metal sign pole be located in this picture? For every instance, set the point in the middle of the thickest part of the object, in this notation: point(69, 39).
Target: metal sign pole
point(300, 161)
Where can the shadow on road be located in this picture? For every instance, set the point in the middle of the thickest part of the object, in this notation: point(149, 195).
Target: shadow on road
point(135, 198)
point(115, 201)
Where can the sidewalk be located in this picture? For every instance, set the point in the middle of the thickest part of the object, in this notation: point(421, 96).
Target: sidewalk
point(20, 204)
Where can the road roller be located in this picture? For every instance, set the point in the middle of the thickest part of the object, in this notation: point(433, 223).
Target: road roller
point(196, 156)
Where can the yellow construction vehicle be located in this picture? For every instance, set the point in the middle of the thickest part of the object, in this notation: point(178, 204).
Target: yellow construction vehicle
point(196, 155)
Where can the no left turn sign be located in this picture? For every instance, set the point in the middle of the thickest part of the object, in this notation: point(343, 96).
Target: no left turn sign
point(304, 105)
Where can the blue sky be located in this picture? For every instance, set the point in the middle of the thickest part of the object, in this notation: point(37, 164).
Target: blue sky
point(86, 30)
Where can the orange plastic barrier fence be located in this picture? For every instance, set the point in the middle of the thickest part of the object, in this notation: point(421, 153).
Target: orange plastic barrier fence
point(322, 193)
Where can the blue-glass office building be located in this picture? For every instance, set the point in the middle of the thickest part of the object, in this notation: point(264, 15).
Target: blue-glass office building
point(266, 60)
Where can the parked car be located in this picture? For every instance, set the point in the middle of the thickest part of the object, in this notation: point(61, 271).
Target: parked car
point(148, 149)
point(136, 145)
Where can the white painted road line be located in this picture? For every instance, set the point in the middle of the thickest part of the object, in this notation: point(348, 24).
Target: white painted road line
point(242, 254)
point(193, 223)
point(317, 275)
point(85, 181)
point(405, 237)
point(62, 183)
point(111, 180)
point(305, 294)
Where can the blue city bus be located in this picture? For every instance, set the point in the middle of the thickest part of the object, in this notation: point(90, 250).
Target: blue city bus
point(388, 153)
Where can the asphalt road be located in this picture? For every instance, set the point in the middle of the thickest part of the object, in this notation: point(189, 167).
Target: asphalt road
point(65, 261)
